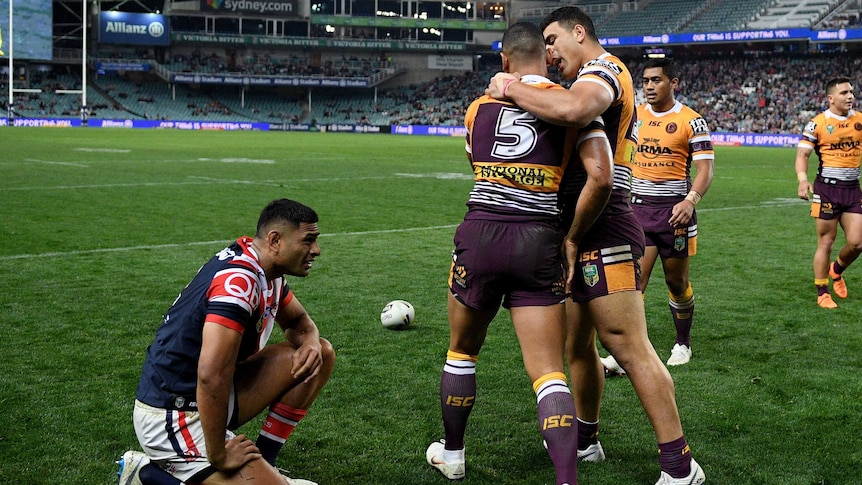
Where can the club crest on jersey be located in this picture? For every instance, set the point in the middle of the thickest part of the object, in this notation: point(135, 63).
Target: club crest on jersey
point(591, 274)
point(830, 129)
point(857, 126)
point(671, 127)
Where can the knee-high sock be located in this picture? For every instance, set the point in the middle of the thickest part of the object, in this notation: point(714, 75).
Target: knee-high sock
point(457, 396)
point(151, 474)
point(682, 309)
point(280, 423)
point(558, 424)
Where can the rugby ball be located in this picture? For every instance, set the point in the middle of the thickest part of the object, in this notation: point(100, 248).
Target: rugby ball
point(397, 315)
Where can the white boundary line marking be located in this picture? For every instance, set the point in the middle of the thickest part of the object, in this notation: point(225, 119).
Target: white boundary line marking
point(764, 205)
point(204, 243)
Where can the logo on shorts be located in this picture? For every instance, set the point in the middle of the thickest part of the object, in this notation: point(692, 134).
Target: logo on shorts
point(591, 274)
point(670, 128)
point(679, 243)
point(459, 275)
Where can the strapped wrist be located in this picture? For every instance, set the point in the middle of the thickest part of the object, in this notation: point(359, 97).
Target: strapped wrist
point(693, 197)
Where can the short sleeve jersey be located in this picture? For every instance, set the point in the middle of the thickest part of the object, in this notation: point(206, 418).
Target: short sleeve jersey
point(668, 143)
point(518, 160)
point(620, 118)
point(231, 289)
point(837, 141)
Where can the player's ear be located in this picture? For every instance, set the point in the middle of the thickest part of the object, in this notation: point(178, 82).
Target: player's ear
point(505, 60)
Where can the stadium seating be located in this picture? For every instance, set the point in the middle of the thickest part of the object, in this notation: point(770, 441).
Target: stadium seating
point(727, 15)
point(792, 13)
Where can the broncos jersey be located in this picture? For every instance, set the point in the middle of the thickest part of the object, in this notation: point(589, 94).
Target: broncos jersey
point(668, 143)
point(231, 289)
point(518, 160)
point(620, 118)
point(837, 141)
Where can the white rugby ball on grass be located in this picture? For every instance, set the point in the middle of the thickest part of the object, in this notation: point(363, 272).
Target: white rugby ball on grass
point(397, 315)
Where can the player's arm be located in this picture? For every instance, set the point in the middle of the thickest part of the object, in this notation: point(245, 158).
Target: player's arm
point(577, 106)
point(804, 188)
point(595, 152)
point(683, 211)
point(301, 331)
point(216, 367)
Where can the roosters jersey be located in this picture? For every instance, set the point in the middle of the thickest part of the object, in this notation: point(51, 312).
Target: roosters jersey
point(518, 160)
point(620, 118)
point(231, 289)
point(837, 141)
point(668, 143)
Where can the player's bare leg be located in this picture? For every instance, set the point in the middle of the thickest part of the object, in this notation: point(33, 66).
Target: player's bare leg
point(647, 264)
point(620, 322)
point(587, 376)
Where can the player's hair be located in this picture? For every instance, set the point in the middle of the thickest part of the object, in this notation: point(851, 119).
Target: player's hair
point(830, 86)
point(523, 41)
point(284, 211)
point(568, 17)
point(668, 67)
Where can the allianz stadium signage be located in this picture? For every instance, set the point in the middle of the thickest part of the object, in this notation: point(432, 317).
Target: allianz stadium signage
point(133, 28)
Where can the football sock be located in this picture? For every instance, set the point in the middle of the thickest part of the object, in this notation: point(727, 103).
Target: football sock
point(457, 396)
point(151, 474)
point(588, 433)
point(280, 422)
point(675, 457)
point(822, 286)
point(838, 268)
point(557, 422)
point(682, 310)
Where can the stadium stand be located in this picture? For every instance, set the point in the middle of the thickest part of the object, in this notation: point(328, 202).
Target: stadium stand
point(793, 13)
point(728, 15)
point(744, 89)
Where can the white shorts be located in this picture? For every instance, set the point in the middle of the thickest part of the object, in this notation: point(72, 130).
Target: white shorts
point(174, 440)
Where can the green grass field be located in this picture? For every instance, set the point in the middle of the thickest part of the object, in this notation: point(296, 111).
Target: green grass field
point(100, 229)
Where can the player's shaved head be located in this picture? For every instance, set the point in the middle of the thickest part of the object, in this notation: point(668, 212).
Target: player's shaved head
point(523, 42)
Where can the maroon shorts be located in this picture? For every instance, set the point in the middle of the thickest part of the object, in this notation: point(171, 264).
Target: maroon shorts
point(609, 258)
point(513, 263)
point(829, 201)
point(672, 242)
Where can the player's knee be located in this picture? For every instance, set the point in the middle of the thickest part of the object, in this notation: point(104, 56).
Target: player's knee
point(327, 351)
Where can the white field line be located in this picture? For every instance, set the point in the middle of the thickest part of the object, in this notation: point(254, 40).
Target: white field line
point(204, 243)
point(200, 180)
point(765, 205)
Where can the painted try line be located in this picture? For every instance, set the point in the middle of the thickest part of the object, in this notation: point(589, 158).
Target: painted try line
point(204, 243)
point(775, 203)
